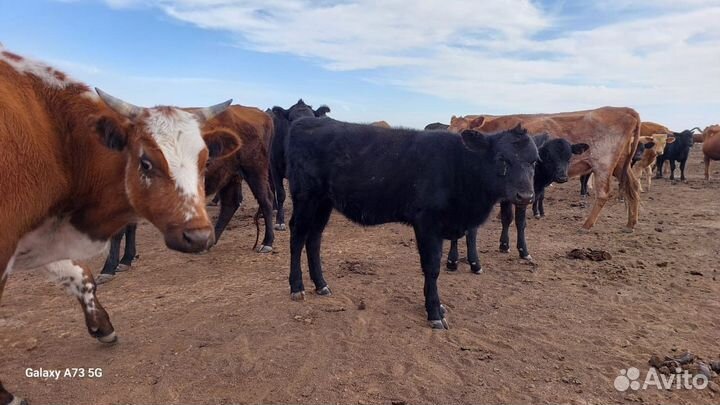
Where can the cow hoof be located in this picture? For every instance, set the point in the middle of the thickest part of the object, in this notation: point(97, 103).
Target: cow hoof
point(537, 216)
point(280, 227)
point(18, 401)
point(264, 249)
point(476, 268)
point(298, 296)
point(443, 310)
point(122, 267)
point(451, 266)
point(504, 249)
point(526, 257)
point(441, 324)
point(323, 291)
point(108, 339)
point(626, 229)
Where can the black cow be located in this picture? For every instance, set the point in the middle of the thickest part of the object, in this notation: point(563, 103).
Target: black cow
point(439, 182)
point(676, 151)
point(114, 263)
point(436, 126)
point(282, 119)
point(555, 157)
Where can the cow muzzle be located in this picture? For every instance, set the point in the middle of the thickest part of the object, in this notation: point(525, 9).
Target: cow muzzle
point(523, 198)
point(190, 240)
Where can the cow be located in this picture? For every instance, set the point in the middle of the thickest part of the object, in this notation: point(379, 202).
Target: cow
point(612, 134)
point(438, 182)
point(436, 126)
point(86, 164)
point(381, 124)
point(555, 157)
point(711, 147)
point(649, 148)
point(282, 119)
point(224, 178)
point(677, 151)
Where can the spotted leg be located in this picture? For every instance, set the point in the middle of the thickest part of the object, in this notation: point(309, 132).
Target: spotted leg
point(78, 282)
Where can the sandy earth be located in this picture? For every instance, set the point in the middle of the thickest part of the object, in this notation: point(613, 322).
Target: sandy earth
point(220, 327)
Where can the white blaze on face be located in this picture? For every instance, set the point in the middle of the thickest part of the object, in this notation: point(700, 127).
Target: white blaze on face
point(178, 137)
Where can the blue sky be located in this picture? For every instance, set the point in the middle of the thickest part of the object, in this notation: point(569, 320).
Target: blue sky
point(406, 62)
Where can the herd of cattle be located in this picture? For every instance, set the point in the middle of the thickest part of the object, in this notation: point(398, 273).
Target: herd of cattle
point(86, 165)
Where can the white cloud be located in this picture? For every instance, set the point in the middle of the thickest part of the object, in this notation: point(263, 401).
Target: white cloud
point(495, 56)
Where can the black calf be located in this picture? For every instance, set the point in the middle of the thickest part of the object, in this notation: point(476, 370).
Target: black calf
point(555, 157)
point(282, 119)
point(676, 151)
point(438, 182)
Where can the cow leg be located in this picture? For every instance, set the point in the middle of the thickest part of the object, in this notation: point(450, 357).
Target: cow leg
point(520, 223)
point(672, 169)
point(230, 199)
point(506, 217)
point(639, 173)
point(430, 248)
point(111, 263)
point(301, 222)
point(706, 160)
point(130, 248)
point(6, 398)
point(472, 253)
point(659, 162)
point(682, 169)
point(453, 255)
point(583, 186)
point(277, 179)
point(602, 193)
point(78, 282)
point(540, 198)
point(312, 247)
point(260, 187)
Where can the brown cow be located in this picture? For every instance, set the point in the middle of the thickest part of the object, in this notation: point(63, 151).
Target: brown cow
point(653, 138)
point(251, 162)
point(612, 133)
point(711, 146)
point(381, 124)
point(78, 169)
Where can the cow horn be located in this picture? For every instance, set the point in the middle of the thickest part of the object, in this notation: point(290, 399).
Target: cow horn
point(209, 112)
point(699, 130)
point(121, 107)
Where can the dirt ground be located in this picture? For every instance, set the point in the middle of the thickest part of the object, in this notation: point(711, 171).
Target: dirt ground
point(220, 327)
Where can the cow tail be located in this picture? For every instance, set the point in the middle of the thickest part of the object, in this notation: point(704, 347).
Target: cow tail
point(629, 184)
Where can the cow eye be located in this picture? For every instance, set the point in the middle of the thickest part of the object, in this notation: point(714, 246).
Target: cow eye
point(145, 164)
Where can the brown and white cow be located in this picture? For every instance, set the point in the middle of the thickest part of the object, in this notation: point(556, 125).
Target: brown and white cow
point(653, 138)
point(711, 146)
point(78, 168)
point(612, 133)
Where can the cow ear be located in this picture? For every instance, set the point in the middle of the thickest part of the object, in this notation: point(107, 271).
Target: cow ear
point(579, 148)
point(475, 140)
point(320, 112)
point(111, 133)
point(221, 143)
point(649, 145)
point(477, 122)
point(280, 112)
point(670, 139)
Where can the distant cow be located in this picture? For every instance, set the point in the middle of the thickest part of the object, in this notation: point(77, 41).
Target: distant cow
point(649, 148)
point(438, 182)
point(282, 119)
point(711, 147)
point(612, 134)
point(677, 151)
point(435, 126)
point(381, 124)
point(555, 157)
point(78, 168)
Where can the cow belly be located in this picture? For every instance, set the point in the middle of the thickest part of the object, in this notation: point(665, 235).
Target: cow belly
point(56, 239)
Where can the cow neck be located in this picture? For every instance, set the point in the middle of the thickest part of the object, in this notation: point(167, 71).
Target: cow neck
point(475, 176)
point(96, 201)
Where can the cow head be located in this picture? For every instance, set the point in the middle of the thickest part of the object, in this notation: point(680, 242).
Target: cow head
point(300, 110)
point(555, 155)
point(166, 159)
point(656, 143)
point(683, 141)
point(513, 156)
point(459, 124)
